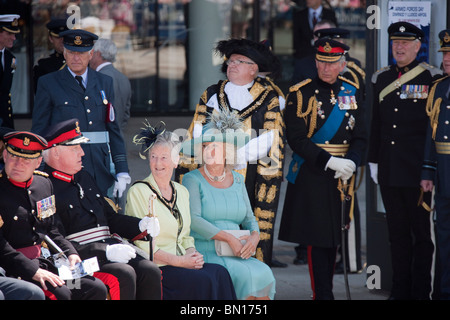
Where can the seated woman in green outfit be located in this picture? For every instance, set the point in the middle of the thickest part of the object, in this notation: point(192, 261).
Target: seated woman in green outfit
point(219, 202)
point(185, 275)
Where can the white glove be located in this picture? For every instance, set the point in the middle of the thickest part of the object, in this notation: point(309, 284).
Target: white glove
point(344, 167)
point(374, 171)
point(151, 224)
point(254, 150)
point(123, 178)
point(197, 131)
point(121, 253)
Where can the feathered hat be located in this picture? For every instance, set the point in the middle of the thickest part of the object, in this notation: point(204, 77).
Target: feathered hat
point(147, 137)
point(222, 126)
point(258, 52)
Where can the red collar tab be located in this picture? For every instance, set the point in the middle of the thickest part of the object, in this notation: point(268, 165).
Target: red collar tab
point(24, 184)
point(62, 176)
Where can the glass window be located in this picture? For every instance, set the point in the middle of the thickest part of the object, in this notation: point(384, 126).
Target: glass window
point(150, 36)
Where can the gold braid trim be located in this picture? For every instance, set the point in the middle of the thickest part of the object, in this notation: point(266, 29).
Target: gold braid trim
point(353, 65)
point(312, 105)
point(434, 109)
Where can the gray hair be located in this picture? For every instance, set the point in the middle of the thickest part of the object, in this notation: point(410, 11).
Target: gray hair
point(171, 140)
point(107, 49)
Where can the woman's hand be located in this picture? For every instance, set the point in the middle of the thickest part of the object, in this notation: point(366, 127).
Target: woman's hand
point(249, 249)
point(192, 259)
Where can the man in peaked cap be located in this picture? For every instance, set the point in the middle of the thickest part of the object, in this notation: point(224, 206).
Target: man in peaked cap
point(80, 92)
point(327, 134)
point(259, 102)
point(56, 60)
point(27, 206)
point(356, 74)
point(395, 156)
point(9, 27)
point(88, 220)
point(436, 165)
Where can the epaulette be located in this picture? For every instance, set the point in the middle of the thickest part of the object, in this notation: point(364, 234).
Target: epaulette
point(433, 70)
point(377, 73)
point(299, 85)
point(357, 68)
point(440, 79)
point(41, 173)
point(349, 81)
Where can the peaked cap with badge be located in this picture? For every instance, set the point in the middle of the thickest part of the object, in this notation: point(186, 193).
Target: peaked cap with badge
point(444, 37)
point(329, 50)
point(405, 31)
point(65, 133)
point(333, 33)
point(57, 26)
point(78, 40)
point(10, 23)
point(24, 144)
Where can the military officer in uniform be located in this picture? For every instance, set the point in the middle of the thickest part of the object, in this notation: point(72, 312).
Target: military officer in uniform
point(259, 102)
point(435, 171)
point(27, 208)
point(88, 220)
point(356, 74)
point(325, 129)
point(9, 27)
point(56, 60)
point(395, 156)
point(80, 92)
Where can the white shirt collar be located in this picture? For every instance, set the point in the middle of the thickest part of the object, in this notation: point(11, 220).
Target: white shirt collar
point(104, 64)
point(84, 76)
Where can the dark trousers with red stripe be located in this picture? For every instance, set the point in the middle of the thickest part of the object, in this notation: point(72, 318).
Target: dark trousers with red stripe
point(321, 262)
point(139, 279)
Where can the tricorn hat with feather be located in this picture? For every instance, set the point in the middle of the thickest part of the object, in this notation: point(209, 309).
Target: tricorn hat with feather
point(258, 52)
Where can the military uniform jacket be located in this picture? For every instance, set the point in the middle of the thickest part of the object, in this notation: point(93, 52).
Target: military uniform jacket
point(59, 97)
point(24, 223)
point(436, 166)
point(262, 179)
point(312, 208)
point(81, 207)
point(399, 123)
point(6, 114)
point(46, 65)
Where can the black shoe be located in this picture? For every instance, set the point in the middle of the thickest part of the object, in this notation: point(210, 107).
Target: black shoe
point(277, 264)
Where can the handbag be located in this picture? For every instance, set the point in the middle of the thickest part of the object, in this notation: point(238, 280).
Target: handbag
point(223, 249)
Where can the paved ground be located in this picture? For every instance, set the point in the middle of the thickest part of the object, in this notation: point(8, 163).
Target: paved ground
point(292, 282)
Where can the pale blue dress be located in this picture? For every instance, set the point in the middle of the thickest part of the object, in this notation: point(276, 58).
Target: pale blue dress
point(214, 209)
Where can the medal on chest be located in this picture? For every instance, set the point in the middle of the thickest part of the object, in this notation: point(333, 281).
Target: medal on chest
point(333, 98)
point(414, 91)
point(46, 207)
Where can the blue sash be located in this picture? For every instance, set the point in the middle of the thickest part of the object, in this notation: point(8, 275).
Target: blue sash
point(325, 133)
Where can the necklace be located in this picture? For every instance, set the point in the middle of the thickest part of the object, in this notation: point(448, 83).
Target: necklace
point(215, 178)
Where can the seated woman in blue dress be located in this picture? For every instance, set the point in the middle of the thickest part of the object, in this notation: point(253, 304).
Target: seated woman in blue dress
point(185, 275)
point(219, 202)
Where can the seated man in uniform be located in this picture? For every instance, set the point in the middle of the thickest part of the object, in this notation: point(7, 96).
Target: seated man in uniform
point(27, 218)
point(87, 219)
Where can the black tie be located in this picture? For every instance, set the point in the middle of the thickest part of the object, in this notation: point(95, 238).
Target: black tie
point(80, 82)
point(314, 19)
